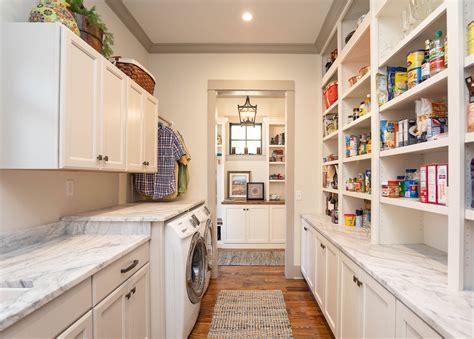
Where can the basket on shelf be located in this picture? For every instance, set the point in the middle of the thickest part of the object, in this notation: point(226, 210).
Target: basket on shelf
point(330, 94)
point(136, 72)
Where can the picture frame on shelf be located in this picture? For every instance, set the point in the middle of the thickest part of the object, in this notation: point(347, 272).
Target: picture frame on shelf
point(255, 191)
point(237, 184)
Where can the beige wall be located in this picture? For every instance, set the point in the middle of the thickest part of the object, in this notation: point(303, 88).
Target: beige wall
point(182, 90)
point(30, 198)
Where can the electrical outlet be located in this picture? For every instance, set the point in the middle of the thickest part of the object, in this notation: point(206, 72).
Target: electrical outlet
point(299, 195)
point(69, 188)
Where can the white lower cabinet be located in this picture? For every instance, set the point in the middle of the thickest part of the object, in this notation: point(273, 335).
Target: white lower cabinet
point(408, 325)
point(331, 301)
point(125, 312)
point(254, 225)
point(350, 300)
point(320, 279)
point(81, 329)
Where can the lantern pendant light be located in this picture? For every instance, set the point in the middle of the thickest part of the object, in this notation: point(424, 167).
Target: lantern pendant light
point(247, 113)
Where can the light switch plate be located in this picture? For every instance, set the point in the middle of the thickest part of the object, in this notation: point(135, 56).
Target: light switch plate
point(299, 195)
point(69, 188)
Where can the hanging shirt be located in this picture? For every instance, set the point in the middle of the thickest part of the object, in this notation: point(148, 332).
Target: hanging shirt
point(163, 183)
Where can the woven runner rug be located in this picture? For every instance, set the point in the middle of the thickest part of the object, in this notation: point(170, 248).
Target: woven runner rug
point(238, 257)
point(250, 314)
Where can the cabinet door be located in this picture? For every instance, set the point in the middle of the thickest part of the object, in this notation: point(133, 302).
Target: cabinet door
point(113, 117)
point(257, 224)
point(110, 315)
point(81, 329)
point(139, 305)
point(304, 249)
point(79, 100)
point(235, 225)
point(311, 253)
point(350, 300)
point(150, 133)
point(135, 103)
point(320, 278)
point(408, 325)
point(331, 284)
point(378, 313)
point(278, 224)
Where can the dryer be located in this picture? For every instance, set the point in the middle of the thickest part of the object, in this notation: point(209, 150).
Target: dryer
point(203, 215)
point(185, 274)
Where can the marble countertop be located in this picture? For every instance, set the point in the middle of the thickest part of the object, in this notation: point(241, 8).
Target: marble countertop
point(144, 211)
point(415, 274)
point(54, 260)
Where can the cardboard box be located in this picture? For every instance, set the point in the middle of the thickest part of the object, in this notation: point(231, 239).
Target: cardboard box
point(442, 184)
point(431, 184)
point(400, 134)
point(423, 184)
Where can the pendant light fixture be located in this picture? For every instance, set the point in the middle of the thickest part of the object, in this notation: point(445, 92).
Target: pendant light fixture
point(247, 113)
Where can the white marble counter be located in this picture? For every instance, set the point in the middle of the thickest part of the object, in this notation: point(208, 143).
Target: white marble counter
point(145, 211)
point(415, 274)
point(54, 258)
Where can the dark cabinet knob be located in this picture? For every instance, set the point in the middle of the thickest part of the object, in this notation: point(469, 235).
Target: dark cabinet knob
point(144, 163)
point(106, 158)
point(99, 157)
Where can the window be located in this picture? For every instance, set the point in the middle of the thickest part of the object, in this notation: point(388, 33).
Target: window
point(245, 136)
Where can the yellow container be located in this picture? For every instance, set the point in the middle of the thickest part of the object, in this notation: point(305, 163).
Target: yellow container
point(415, 59)
point(349, 219)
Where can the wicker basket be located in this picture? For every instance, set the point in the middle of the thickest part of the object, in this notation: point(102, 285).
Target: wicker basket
point(136, 72)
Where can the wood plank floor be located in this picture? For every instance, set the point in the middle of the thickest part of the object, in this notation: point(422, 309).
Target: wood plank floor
point(306, 318)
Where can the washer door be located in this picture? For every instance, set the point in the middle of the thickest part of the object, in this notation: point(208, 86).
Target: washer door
point(196, 269)
point(208, 239)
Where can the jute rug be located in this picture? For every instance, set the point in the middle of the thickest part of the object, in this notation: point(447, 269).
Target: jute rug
point(250, 314)
point(238, 257)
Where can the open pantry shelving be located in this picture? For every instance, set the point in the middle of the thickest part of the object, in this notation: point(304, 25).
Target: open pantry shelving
point(378, 42)
point(276, 156)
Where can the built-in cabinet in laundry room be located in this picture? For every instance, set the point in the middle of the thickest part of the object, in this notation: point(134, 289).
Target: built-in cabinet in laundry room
point(70, 108)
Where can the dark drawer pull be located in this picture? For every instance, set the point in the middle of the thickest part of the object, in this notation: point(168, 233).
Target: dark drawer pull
point(305, 228)
point(322, 246)
point(129, 268)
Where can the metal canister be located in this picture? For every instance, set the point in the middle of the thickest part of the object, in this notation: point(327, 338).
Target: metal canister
point(415, 59)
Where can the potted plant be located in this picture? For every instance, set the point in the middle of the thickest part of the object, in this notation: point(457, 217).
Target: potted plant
point(93, 29)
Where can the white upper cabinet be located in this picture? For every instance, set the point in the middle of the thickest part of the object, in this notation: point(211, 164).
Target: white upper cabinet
point(70, 110)
point(113, 117)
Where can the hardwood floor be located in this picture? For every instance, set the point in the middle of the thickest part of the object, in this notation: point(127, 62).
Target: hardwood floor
point(305, 316)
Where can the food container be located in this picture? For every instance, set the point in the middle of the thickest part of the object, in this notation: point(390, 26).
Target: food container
point(385, 190)
point(330, 94)
point(414, 77)
point(349, 36)
point(415, 59)
point(363, 71)
point(349, 219)
point(333, 56)
point(353, 80)
point(393, 189)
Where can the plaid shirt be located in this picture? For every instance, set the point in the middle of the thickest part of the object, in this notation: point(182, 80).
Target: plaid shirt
point(163, 183)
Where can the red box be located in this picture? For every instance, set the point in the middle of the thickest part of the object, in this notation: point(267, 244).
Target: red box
point(431, 184)
point(330, 94)
point(442, 184)
point(423, 184)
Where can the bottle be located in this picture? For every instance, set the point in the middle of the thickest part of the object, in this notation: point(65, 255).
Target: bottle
point(368, 104)
point(425, 67)
point(446, 51)
point(359, 214)
point(362, 109)
point(437, 54)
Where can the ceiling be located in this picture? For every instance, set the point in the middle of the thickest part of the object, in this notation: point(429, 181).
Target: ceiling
point(220, 21)
point(201, 26)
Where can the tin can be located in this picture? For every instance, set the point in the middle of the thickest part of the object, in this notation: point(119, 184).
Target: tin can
point(414, 77)
point(415, 59)
point(349, 219)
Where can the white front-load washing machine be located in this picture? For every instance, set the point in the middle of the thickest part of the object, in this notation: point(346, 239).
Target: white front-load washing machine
point(203, 215)
point(185, 275)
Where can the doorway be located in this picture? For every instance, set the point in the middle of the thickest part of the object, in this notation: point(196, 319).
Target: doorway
point(268, 160)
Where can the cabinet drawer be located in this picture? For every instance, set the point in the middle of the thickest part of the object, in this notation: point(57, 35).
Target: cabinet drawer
point(106, 280)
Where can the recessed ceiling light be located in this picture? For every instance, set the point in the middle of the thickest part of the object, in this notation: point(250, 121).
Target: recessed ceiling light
point(247, 16)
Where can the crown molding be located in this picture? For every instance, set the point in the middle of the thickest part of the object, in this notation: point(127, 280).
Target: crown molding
point(334, 13)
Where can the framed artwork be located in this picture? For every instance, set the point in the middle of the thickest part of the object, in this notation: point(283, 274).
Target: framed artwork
point(255, 191)
point(237, 183)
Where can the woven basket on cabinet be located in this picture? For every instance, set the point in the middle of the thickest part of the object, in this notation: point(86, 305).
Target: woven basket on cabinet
point(136, 72)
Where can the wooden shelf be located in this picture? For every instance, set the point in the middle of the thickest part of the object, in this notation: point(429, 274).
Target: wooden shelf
point(331, 136)
point(276, 162)
point(415, 204)
point(360, 89)
point(415, 39)
point(330, 74)
point(434, 87)
point(421, 148)
point(362, 122)
point(330, 190)
point(361, 38)
point(469, 61)
point(276, 146)
point(332, 162)
point(273, 180)
point(360, 195)
point(332, 108)
point(358, 158)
